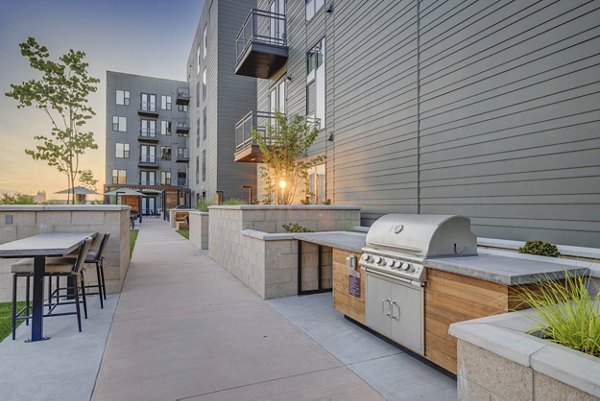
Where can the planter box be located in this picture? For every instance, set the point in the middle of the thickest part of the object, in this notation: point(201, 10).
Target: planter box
point(199, 228)
point(497, 359)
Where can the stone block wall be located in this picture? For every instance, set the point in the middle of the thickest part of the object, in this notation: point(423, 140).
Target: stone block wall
point(268, 263)
point(31, 220)
point(199, 229)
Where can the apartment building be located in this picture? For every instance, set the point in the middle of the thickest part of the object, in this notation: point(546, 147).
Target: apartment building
point(483, 109)
point(219, 99)
point(147, 129)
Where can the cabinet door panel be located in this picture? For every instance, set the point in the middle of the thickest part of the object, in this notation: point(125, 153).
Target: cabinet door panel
point(378, 305)
point(407, 317)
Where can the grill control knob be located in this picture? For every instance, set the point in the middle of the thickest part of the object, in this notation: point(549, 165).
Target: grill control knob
point(365, 257)
point(382, 262)
point(407, 267)
point(398, 264)
point(378, 259)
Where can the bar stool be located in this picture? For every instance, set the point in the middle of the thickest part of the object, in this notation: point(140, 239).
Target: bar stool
point(95, 256)
point(55, 267)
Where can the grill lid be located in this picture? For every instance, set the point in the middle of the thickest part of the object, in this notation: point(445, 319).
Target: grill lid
point(423, 235)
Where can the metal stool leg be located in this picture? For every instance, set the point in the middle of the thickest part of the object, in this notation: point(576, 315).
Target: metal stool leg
point(102, 274)
point(14, 307)
point(100, 285)
point(82, 294)
point(77, 305)
point(27, 303)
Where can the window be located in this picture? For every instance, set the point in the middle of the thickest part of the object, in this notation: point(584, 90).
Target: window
point(165, 153)
point(182, 179)
point(165, 127)
point(277, 26)
point(197, 94)
point(198, 60)
point(147, 177)
point(122, 151)
point(315, 83)
point(198, 133)
point(122, 97)
point(204, 84)
point(182, 153)
point(312, 7)
point(148, 128)
point(197, 170)
point(148, 153)
point(316, 184)
point(165, 102)
point(119, 124)
point(277, 97)
point(119, 177)
point(165, 178)
point(148, 102)
point(203, 165)
point(205, 41)
point(182, 107)
point(204, 127)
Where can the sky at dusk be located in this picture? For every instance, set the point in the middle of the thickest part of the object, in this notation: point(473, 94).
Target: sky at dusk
point(145, 37)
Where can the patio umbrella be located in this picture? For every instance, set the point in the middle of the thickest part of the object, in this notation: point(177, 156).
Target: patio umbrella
point(79, 191)
point(127, 192)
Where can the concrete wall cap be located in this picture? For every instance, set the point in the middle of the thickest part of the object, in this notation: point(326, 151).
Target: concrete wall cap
point(576, 251)
point(197, 212)
point(286, 207)
point(63, 208)
point(261, 235)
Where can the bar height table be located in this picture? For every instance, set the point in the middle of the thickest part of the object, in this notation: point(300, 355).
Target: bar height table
point(39, 247)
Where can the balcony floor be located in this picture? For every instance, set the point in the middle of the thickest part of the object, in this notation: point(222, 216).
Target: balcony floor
point(186, 328)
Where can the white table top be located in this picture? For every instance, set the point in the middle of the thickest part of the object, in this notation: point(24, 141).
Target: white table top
point(45, 244)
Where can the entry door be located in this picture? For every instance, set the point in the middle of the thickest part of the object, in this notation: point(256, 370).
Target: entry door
point(151, 205)
point(144, 206)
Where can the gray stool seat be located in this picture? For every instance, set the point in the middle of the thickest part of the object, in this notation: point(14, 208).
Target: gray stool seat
point(53, 266)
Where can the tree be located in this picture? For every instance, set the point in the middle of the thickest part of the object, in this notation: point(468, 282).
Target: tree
point(62, 94)
point(16, 199)
point(284, 146)
point(86, 178)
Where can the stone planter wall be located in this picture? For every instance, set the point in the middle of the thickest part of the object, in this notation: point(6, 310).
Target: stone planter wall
point(199, 229)
point(498, 360)
point(29, 220)
point(267, 263)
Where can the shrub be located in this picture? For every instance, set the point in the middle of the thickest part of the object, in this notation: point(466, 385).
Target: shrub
point(203, 205)
point(566, 313)
point(537, 247)
point(233, 202)
point(295, 228)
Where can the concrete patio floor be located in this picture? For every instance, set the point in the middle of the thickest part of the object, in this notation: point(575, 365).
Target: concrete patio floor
point(185, 329)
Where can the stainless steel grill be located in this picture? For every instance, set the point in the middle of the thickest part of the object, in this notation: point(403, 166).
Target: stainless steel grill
point(396, 247)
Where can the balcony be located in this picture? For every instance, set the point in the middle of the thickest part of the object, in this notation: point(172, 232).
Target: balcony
point(148, 161)
point(261, 45)
point(183, 156)
point(246, 149)
point(183, 128)
point(148, 136)
point(148, 109)
point(183, 96)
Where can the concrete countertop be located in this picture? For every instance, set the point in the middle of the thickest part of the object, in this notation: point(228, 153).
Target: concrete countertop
point(344, 240)
point(502, 269)
point(508, 270)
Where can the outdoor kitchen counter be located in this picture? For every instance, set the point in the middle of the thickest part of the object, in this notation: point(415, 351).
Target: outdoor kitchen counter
point(505, 270)
point(344, 240)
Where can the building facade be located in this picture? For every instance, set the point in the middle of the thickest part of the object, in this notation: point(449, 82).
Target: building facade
point(147, 130)
point(483, 109)
point(219, 98)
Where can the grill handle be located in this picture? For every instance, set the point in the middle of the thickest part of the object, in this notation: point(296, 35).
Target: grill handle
point(394, 246)
point(395, 317)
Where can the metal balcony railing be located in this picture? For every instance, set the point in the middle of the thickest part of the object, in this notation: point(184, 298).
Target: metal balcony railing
point(147, 159)
point(258, 120)
point(263, 27)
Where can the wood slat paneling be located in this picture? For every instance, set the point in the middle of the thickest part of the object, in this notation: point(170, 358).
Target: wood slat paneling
point(342, 301)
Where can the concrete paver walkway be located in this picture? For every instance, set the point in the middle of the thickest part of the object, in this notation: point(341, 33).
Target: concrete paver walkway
point(186, 329)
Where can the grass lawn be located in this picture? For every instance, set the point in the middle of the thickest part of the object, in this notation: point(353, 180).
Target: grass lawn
point(184, 233)
point(132, 237)
point(5, 327)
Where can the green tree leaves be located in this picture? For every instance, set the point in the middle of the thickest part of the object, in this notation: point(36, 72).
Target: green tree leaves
point(62, 94)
